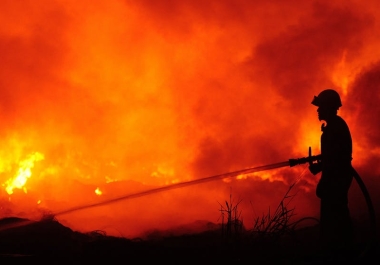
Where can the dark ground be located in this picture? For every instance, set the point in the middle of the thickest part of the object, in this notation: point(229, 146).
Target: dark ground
point(48, 240)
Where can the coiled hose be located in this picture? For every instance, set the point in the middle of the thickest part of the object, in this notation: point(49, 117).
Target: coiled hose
point(372, 217)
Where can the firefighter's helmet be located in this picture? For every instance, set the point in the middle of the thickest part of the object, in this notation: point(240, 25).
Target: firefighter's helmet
point(327, 98)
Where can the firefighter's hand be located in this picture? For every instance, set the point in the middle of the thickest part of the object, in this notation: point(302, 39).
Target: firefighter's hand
point(315, 168)
point(321, 189)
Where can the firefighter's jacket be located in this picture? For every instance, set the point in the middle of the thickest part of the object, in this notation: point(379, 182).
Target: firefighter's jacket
point(336, 156)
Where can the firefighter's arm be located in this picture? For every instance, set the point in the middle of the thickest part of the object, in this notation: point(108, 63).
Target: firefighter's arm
point(315, 168)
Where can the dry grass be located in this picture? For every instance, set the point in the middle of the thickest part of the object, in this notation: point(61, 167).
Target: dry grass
point(233, 228)
point(275, 225)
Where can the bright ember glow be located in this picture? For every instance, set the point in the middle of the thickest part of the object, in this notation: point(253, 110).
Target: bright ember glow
point(121, 97)
point(98, 191)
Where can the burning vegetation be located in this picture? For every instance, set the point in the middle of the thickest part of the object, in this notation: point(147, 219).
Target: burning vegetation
point(99, 100)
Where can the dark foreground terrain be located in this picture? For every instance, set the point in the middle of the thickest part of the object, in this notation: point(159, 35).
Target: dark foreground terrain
point(54, 243)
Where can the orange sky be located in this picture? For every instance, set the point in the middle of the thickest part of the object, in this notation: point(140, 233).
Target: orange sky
point(130, 95)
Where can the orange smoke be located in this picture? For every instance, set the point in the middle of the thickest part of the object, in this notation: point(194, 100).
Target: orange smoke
point(121, 97)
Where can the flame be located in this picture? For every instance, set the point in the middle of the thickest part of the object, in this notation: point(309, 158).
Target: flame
point(242, 176)
point(23, 173)
point(118, 98)
point(165, 175)
point(110, 180)
point(98, 191)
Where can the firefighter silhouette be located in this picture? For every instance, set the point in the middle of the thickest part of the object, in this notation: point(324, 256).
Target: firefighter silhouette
point(336, 231)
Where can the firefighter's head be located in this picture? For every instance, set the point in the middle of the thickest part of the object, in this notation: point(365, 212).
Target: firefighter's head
point(328, 98)
point(328, 103)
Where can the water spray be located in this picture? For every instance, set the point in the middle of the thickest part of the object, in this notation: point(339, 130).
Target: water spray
point(290, 162)
point(181, 185)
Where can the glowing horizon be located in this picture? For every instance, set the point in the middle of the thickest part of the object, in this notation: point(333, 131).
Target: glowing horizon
point(121, 97)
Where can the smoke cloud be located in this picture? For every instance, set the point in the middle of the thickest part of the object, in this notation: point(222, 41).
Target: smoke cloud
point(125, 96)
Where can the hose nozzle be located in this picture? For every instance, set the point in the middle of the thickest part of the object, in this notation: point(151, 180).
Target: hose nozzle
point(309, 159)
